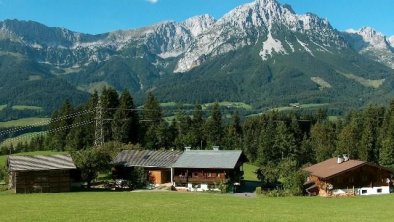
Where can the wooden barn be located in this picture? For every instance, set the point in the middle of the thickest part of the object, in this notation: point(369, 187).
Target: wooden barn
point(343, 176)
point(158, 164)
point(36, 174)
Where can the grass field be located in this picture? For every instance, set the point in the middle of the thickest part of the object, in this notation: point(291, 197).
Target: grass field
point(25, 121)
point(22, 107)
point(2, 107)
point(236, 105)
point(21, 138)
point(172, 206)
point(249, 172)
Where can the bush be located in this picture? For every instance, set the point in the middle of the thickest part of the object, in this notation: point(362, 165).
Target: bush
point(138, 177)
point(91, 162)
point(3, 174)
point(258, 191)
point(223, 187)
point(3, 188)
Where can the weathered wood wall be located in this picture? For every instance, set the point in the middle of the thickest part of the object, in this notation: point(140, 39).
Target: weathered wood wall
point(48, 181)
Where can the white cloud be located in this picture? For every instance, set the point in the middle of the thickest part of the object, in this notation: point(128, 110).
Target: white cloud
point(153, 1)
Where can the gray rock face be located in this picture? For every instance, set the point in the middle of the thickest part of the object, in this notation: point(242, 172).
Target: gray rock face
point(373, 44)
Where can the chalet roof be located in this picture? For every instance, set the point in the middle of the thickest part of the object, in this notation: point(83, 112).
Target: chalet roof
point(146, 158)
point(209, 159)
point(331, 167)
point(38, 163)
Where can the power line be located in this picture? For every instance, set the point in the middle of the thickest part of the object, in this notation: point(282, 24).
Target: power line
point(44, 122)
point(19, 138)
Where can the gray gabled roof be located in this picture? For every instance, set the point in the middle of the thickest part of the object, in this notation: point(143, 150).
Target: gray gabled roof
point(38, 163)
point(209, 159)
point(146, 158)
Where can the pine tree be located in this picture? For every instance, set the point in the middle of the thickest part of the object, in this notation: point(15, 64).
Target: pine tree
point(284, 142)
point(59, 127)
point(109, 102)
point(323, 139)
point(213, 128)
point(153, 123)
point(265, 152)
point(183, 126)
point(369, 150)
point(386, 146)
point(197, 130)
point(82, 137)
point(233, 134)
point(152, 111)
point(125, 126)
point(349, 137)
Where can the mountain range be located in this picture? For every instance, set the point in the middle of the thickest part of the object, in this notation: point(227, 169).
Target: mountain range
point(261, 53)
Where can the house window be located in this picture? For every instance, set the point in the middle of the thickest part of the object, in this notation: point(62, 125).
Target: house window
point(365, 178)
point(379, 190)
point(211, 174)
point(195, 174)
point(364, 191)
point(351, 180)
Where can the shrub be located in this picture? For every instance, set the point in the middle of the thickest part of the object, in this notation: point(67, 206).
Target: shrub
point(3, 174)
point(139, 177)
point(258, 191)
point(91, 162)
point(223, 187)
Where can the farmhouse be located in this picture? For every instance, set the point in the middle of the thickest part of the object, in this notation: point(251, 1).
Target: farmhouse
point(343, 176)
point(197, 170)
point(47, 174)
point(202, 170)
point(158, 164)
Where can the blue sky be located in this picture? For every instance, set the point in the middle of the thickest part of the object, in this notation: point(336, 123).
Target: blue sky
point(98, 16)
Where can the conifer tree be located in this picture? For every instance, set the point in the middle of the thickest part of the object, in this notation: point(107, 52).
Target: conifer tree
point(125, 125)
point(109, 102)
point(59, 127)
point(197, 131)
point(323, 139)
point(153, 126)
point(233, 134)
point(213, 128)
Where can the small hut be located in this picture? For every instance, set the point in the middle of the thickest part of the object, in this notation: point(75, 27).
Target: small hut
point(36, 174)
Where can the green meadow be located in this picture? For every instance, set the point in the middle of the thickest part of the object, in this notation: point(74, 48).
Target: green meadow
point(175, 206)
point(36, 121)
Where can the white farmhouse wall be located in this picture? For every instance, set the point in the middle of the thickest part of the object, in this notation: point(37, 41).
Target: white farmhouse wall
point(373, 190)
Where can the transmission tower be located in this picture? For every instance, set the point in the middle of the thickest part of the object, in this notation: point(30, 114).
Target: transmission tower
point(99, 133)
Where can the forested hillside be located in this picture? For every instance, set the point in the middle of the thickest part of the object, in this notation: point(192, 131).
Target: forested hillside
point(277, 142)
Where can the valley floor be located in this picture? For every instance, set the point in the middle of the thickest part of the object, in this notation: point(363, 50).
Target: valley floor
point(173, 206)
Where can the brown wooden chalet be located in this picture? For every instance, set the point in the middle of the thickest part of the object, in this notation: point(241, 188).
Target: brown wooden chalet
point(47, 174)
point(204, 169)
point(158, 164)
point(343, 176)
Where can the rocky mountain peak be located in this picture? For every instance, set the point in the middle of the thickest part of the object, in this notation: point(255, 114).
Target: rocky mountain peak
point(199, 24)
point(372, 43)
point(371, 37)
point(391, 40)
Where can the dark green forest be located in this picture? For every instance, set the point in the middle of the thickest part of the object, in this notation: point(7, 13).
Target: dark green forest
point(279, 143)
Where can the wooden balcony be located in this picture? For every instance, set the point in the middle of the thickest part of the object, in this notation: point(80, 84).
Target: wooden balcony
point(207, 180)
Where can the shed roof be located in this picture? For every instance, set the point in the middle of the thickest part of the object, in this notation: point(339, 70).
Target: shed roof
point(209, 159)
point(331, 167)
point(146, 158)
point(40, 162)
